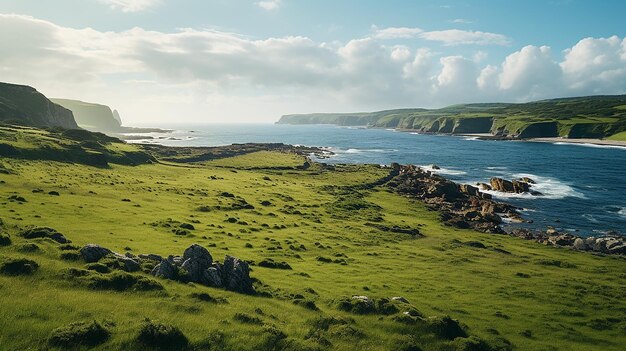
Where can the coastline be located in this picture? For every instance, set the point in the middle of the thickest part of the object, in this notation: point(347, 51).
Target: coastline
point(603, 142)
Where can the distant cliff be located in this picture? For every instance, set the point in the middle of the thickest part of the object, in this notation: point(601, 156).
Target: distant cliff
point(94, 117)
point(24, 105)
point(581, 117)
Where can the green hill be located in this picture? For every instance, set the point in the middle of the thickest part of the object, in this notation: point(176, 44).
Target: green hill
point(580, 117)
point(94, 117)
point(339, 262)
point(24, 105)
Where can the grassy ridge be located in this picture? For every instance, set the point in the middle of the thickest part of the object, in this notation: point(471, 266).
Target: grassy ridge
point(583, 117)
point(510, 291)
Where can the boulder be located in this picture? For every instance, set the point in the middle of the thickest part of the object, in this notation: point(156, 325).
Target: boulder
point(165, 270)
point(151, 257)
point(469, 190)
point(94, 253)
point(527, 180)
point(128, 264)
point(196, 260)
point(506, 186)
point(236, 275)
point(579, 244)
point(400, 299)
point(561, 240)
point(213, 276)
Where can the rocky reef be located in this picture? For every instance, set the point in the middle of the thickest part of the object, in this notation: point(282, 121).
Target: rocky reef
point(461, 205)
point(611, 243)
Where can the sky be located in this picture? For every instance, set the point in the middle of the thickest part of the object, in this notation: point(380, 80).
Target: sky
point(250, 61)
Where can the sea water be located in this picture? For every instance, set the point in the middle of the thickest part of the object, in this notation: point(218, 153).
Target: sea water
point(583, 186)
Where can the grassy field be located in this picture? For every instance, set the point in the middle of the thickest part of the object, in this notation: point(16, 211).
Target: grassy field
point(510, 295)
point(619, 136)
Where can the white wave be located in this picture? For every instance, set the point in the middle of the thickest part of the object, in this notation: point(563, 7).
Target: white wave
point(622, 212)
point(592, 145)
point(360, 151)
point(590, 218)
point(551, 188)
point(498, 167)
point(471, 138)
point(441, 170)
point(415, 133)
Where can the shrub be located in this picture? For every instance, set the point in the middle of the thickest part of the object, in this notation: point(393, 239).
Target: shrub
point(98, 267)
point(162, 336)
point(247, 319)
point(71, 256)
point(306, 303)
point(470, 344)
point(5, 240)
point(122, 281)
point(28, 247)
point(18, 266)
point(203, 297)
point(79, 334)
point(269, 263)
point(446, 327)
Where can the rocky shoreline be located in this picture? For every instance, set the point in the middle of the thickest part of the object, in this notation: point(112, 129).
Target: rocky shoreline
point(466, 207)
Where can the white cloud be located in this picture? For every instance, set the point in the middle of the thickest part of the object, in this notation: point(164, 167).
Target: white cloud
point(461, 21)
point(396, 33)
point(458, 37)
point(269, 4)
point(131, 5)
point(447, 37)
point(191, 74)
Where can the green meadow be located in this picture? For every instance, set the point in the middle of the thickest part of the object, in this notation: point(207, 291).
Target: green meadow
point(500, 292)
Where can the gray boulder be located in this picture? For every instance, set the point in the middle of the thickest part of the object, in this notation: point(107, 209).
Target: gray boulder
point(165, 270)
point(94, 253)
point(213, 276)
point(128, 264)
point(236, 275)
point(579, 244)
point(196, 260)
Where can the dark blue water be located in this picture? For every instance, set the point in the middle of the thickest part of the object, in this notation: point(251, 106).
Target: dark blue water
point(584, 187)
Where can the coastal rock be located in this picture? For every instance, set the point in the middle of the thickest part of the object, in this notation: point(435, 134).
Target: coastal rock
point(561, 240)
point(94, 253)
point(506, 186)
point(213, 276)
point(579, 244)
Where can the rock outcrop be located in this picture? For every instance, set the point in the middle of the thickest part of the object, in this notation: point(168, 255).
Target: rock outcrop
point(23, 105)
point(610, 244)
point(196, 265)
point(461, 205)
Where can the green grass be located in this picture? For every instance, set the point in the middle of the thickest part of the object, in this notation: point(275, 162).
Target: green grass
point(619, 136)
point(577, 306)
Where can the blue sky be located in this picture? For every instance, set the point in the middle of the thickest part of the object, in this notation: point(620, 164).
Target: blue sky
point(245, 61)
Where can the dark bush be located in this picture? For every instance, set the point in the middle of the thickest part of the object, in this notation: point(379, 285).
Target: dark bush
point(162, 337)
point(98, 267)
point(70, 255)
point(247, 319)
point(122, 281)
point(5, 240)
point(269, 263)
point(18, 266)
point(203, 297)
point(187, 226)
point(44, 232)
point(79, 334)
point(470, 344)
point(28, 247)
point(306, 303)
point(68, 247)
point(446, 327)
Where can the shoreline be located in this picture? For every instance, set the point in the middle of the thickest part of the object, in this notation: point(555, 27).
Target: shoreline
point(587, 141)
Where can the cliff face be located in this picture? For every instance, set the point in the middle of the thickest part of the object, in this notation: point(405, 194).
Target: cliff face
point(94, 117)
point(24, 105)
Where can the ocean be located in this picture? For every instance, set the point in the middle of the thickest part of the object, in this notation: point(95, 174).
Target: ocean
point(583, 186)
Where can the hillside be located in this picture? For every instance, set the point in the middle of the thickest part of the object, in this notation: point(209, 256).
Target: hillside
point(338, 259)
point(92, 116)
point(24, 105)
point(582, 117)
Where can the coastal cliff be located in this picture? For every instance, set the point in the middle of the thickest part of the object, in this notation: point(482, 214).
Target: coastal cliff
point(581, 117)
point(24, 105)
